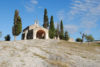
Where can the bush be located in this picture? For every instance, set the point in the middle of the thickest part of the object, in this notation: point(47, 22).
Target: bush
point(7, 38)
point(89, 38)
point(78, 40)
point(66, 36)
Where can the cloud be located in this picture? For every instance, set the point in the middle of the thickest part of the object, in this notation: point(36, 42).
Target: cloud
point(30, 6)
point(71, 28)
point(88, 23)
point(87, 11)
point(40, 7)
point(61, 15)
point(34, 1)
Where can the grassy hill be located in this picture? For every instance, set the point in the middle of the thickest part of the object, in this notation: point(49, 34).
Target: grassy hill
point(49, 53)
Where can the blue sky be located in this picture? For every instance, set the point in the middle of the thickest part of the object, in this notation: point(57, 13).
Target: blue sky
point(77, 15)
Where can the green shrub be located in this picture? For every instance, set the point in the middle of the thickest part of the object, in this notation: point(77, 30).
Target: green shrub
point(78, 40)
point(7, 38)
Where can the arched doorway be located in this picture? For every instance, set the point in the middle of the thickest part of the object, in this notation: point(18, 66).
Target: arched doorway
point(40, 34)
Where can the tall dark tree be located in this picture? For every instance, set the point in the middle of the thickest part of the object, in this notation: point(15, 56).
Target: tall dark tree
point(61, 30)
point(66, 36)
point(17, 27)
point(51, 28)
point(46, 23)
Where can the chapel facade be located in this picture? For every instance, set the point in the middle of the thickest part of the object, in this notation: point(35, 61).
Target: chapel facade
point(35, 31)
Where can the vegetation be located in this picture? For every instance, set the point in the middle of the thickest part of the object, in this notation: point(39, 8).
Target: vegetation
point(61, 30)
point(66, 36)
point(89, 38)
point(7, 38)
point(78, 40)
point(46, 23)
point(83, 36)
point(51, 28)
point(17, 27)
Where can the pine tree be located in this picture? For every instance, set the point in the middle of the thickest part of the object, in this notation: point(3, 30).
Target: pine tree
point(66, 37)
point(17, 28)
point(61, 30)
point(51, 28)
point(46, 23)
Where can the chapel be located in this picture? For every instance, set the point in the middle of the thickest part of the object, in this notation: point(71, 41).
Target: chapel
point(35, 31)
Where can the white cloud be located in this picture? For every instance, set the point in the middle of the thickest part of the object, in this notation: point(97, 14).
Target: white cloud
point(30, 6)
point(71, 28)
point(40, 7)
point(61, 14)
point(88, 12)
point(76, 1)
point(34, 1)
point(88, 23)
point(85, 6)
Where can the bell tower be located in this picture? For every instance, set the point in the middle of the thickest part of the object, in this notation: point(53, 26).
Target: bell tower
point(36, 23)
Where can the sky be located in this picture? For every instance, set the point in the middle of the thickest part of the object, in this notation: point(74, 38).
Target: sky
point(77, 15)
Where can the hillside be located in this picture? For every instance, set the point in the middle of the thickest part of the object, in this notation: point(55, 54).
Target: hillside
point(48, 53)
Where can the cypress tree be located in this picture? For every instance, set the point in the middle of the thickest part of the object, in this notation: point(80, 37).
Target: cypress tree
point(51, 28)
point(46, 23)
point(17, 27)
point(66, 36)
point(61, 30)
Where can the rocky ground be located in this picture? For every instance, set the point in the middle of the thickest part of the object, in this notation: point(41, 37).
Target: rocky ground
point(49, 53)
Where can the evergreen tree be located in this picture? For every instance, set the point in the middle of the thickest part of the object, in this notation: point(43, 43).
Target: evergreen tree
point(66, 36)
point(17, 28)
point(61, 30)
point(46, 23)
point(51, 28)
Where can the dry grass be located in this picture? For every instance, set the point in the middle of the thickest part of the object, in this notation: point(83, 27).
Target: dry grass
point(52, 62)
point(4, 64)
point(48, 52)
point(40, 56)
point(58, 63)
point(54, 53)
